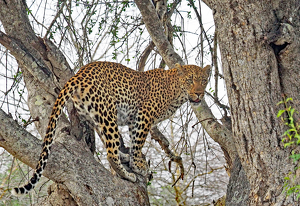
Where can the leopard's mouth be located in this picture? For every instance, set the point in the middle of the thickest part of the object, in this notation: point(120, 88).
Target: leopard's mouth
point(196, 101)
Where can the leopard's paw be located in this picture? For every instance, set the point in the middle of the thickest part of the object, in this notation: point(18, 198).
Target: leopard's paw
point(139, 166)
point(120, 170)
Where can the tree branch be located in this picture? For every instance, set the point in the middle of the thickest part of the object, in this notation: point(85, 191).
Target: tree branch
point(27, 60)
point(17, 141)
point(156, 31)
point(216, 131)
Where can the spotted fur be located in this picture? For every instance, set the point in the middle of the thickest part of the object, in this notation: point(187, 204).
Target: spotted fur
point(111, 94)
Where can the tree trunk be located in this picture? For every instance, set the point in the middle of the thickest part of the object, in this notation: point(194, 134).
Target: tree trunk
point(259, 43)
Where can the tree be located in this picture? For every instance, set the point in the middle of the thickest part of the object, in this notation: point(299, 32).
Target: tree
point(79, 178)
point(259, 44)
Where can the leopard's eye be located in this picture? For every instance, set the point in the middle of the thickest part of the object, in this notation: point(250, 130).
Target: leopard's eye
point(190, 79)
point(204, 81)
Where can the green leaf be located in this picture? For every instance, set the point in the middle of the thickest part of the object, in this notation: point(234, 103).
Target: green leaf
point(280, 112)
point(28, 11)
point(295, 157)
point(298, 196)
point(297, 135)
point(291, 130)
point(288, 144)
point(280, 103)
point(292, 111)
point(286, 133)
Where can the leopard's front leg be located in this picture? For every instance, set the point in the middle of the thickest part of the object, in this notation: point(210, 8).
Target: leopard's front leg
point(138, 134)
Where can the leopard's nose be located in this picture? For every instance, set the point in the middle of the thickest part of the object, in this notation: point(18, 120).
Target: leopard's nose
point(198, 94)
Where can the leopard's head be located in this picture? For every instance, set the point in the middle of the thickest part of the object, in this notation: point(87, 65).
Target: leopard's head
point(194, 80)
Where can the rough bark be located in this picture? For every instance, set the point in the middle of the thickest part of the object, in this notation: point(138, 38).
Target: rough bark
point(238, 186)
point(259, 43)
point(58, 195)
point(72, 164)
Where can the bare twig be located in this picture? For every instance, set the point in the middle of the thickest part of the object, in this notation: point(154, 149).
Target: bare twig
point(54, 19)
point(164, 143)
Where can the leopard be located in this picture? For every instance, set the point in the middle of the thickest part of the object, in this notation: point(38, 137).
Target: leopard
point(113, 95)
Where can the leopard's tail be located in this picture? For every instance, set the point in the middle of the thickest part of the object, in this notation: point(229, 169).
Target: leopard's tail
point(64, 95)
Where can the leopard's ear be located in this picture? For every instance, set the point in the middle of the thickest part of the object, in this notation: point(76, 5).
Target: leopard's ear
point(180, 69)
point(177, 66)
point(207, 69)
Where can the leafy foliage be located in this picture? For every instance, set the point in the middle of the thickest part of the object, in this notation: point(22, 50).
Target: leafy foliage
point(290, 138)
